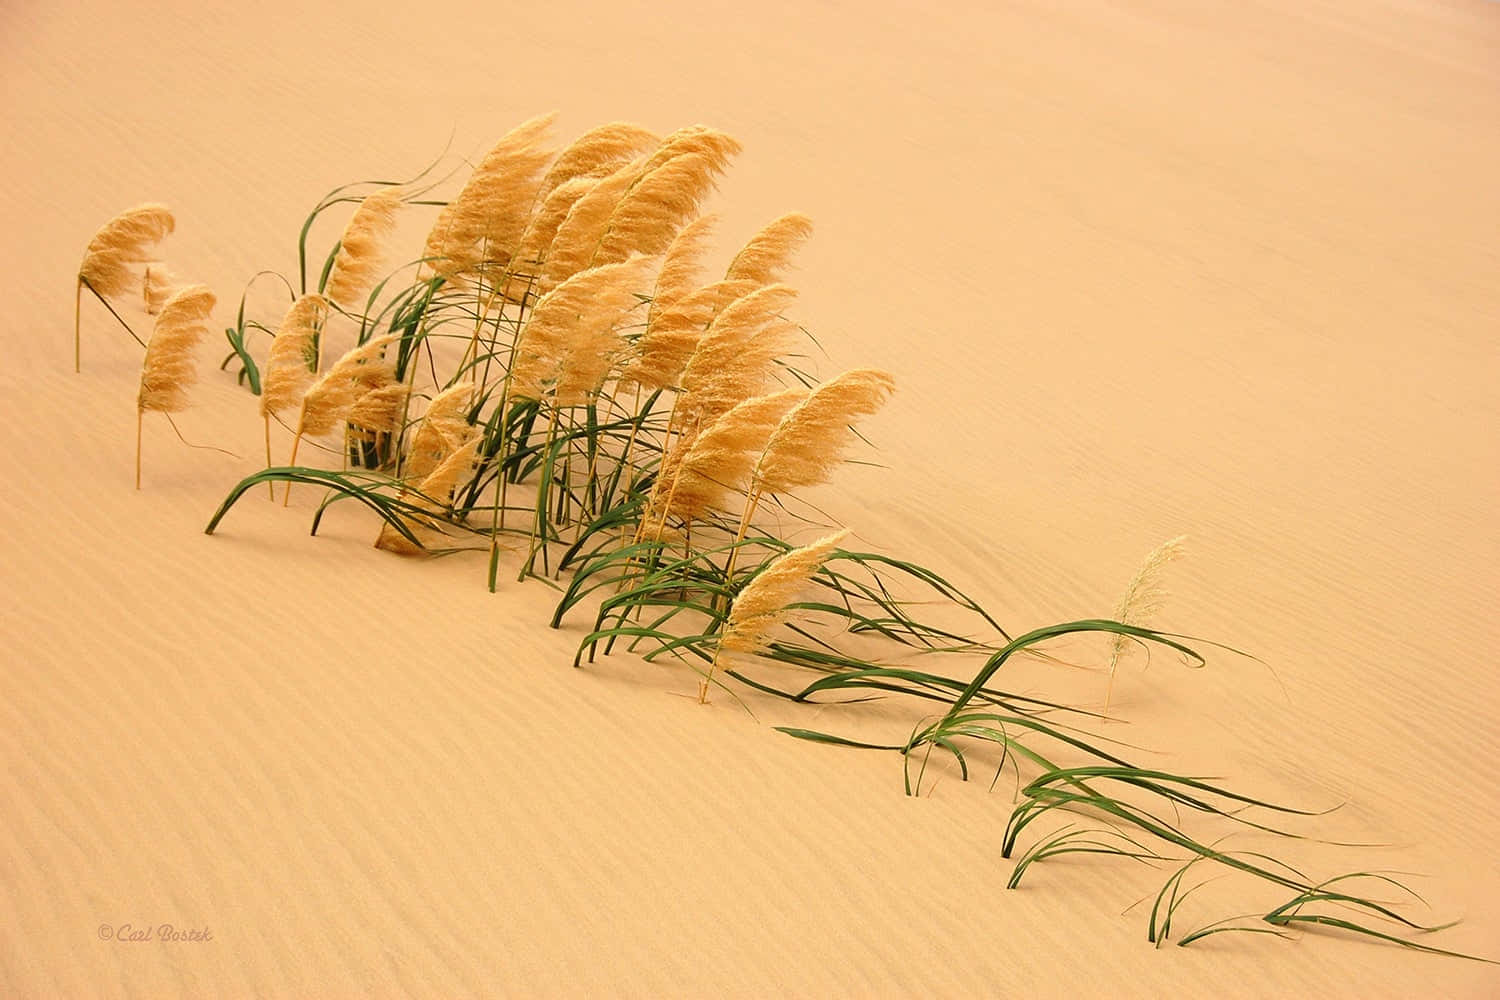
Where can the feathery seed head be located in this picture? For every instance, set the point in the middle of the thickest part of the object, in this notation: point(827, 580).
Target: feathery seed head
point(484, 223)
point(579, 233)
point(598, 152)
point(361, 253)
point(170, 366)
point(328, 401)
point(811, 439)
point(702, 472)
point(732, 360)
point(766, 257)
point(762, 604)
point(293, 353)
point(569, 343)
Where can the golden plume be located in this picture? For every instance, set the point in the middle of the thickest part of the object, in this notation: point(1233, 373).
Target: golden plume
point(640, 206)
point(682, 264)
point(170, 365)
point(443, 428)
point(127, 239)
point(436, 495)
point(289, 365)
point(328, 401)
point(764, 259)
point(380, 408)
point(697, 475)
point(571, 327)
point(598, 152)
point(542, 229)
point(657, 206)
point(811, 439)
point(1142, 600)
point(700, 140)
point(361, 255)
point(763, 603)
point(676, 319)
point(484, 222)
point(439, 484)
point(578, 235)
point(733, 358)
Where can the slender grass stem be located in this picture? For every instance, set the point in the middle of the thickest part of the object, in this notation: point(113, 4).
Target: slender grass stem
point(286, 494)
point(270, 484)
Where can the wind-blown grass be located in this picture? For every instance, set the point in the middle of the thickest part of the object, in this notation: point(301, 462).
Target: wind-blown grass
point(559, 369)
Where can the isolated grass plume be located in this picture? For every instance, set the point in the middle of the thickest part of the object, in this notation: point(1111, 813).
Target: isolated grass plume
point(171, 366)
point(1142, 600)
point(108, 266)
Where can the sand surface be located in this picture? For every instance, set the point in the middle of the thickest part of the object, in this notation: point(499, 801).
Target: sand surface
point(1141, 269)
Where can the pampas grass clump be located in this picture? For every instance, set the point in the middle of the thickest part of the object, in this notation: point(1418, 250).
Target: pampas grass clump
point(641, 422)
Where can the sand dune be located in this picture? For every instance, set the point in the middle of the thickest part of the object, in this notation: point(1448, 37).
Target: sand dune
point(1140, 270)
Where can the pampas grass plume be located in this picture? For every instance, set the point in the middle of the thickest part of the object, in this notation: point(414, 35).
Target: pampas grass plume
point(105, 270)
point(598, 152)
point(811, 439)
point(763, 603)
point(380, 408)
point(765, 259)
point(292, 356)
point(1142, 600)
point(732, 360)
point(485, 221)
point(699, 474)
point(361, 253)
point(328, 401)
point(170, 365)
point(127, 238)
point(571, 332)
point(443, 429)
point(579, 233)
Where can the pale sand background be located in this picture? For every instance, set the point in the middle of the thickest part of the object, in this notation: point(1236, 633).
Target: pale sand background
point(1222, 269)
